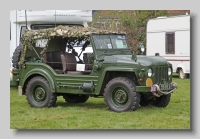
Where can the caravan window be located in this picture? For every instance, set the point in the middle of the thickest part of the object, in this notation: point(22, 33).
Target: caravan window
point(170, 43)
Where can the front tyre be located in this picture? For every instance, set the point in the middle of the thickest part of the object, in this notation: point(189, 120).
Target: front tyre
point(38, 93)
point(120, 95)
point(162, 101)
point(143, 102)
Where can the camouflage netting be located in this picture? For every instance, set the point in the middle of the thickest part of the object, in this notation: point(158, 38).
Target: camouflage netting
point(30, 36)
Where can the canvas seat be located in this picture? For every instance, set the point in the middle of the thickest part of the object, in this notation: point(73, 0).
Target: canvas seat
point(53, 59)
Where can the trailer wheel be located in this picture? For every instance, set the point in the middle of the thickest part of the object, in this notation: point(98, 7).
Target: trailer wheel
point(120, 95)
point(38, 93)
point(16, 56)
point(181, 74)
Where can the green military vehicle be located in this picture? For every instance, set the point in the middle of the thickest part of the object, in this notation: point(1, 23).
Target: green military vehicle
point(46, 66)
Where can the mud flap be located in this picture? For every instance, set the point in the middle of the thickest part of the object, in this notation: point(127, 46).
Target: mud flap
point(19, 90)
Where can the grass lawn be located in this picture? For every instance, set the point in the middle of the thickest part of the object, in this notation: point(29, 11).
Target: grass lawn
point(94, 115)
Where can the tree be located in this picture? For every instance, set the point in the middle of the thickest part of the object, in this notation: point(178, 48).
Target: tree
point(133, 22)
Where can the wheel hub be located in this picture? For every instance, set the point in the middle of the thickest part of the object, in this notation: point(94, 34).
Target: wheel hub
point(119, 97)
point(40, 94)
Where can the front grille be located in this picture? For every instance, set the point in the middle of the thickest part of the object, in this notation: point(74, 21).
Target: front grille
point(161, 73)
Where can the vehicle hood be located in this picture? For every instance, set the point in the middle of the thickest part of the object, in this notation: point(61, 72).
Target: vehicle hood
point(138, 60)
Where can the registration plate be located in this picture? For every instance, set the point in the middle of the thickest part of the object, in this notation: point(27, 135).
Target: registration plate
point(165, 86)
point(162, 87)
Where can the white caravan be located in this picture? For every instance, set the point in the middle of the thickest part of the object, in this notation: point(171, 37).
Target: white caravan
point(170, 37)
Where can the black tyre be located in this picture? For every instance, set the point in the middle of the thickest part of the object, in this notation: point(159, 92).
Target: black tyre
point(38, 93)
point(84, 98)
point(16, 56)
point(74, 98)
point(120, 95)
point(162, 101)
point(144, 103)
point(145, 100)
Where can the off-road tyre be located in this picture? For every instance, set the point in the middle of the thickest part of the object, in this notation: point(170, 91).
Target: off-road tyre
point(120, 95)
point(162, 101)
point(16, 56)
point(38, 93)
point(143, 102)
point(75, 98)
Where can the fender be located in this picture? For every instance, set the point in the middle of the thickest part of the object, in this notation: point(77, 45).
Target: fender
point(181, 66)
point(43, 73)
point(114, 70)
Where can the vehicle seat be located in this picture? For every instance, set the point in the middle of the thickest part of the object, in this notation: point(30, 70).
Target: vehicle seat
point(53, 59)
point(70, 64)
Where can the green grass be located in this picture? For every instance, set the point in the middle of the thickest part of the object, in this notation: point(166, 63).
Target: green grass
point(94, 115)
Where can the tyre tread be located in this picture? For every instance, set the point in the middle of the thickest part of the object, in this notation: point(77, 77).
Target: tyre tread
point(130, 83)
point(53, 96)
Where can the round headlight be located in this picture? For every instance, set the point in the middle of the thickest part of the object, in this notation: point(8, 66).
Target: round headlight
point(169, 71)
point(150, 72)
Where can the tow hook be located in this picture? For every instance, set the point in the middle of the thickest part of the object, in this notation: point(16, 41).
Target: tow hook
point(157, 91)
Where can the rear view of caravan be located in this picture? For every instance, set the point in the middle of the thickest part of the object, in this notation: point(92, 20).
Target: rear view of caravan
point(170, 37)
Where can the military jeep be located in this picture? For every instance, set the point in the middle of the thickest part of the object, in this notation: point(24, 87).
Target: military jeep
point(47, 66)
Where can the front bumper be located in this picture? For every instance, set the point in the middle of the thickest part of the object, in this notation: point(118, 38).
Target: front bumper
point(156, 90)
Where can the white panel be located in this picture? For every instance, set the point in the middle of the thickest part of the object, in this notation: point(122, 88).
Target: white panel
point(80, 67)
point(155, 43)
point(169, 24)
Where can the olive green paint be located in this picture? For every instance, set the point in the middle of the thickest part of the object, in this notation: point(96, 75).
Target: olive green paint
point(104, 61)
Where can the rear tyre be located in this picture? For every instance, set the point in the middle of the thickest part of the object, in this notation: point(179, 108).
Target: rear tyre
point(38, 93)
point(120, 95)
point(16, 56)
point(75, 98)
point(162, 101)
